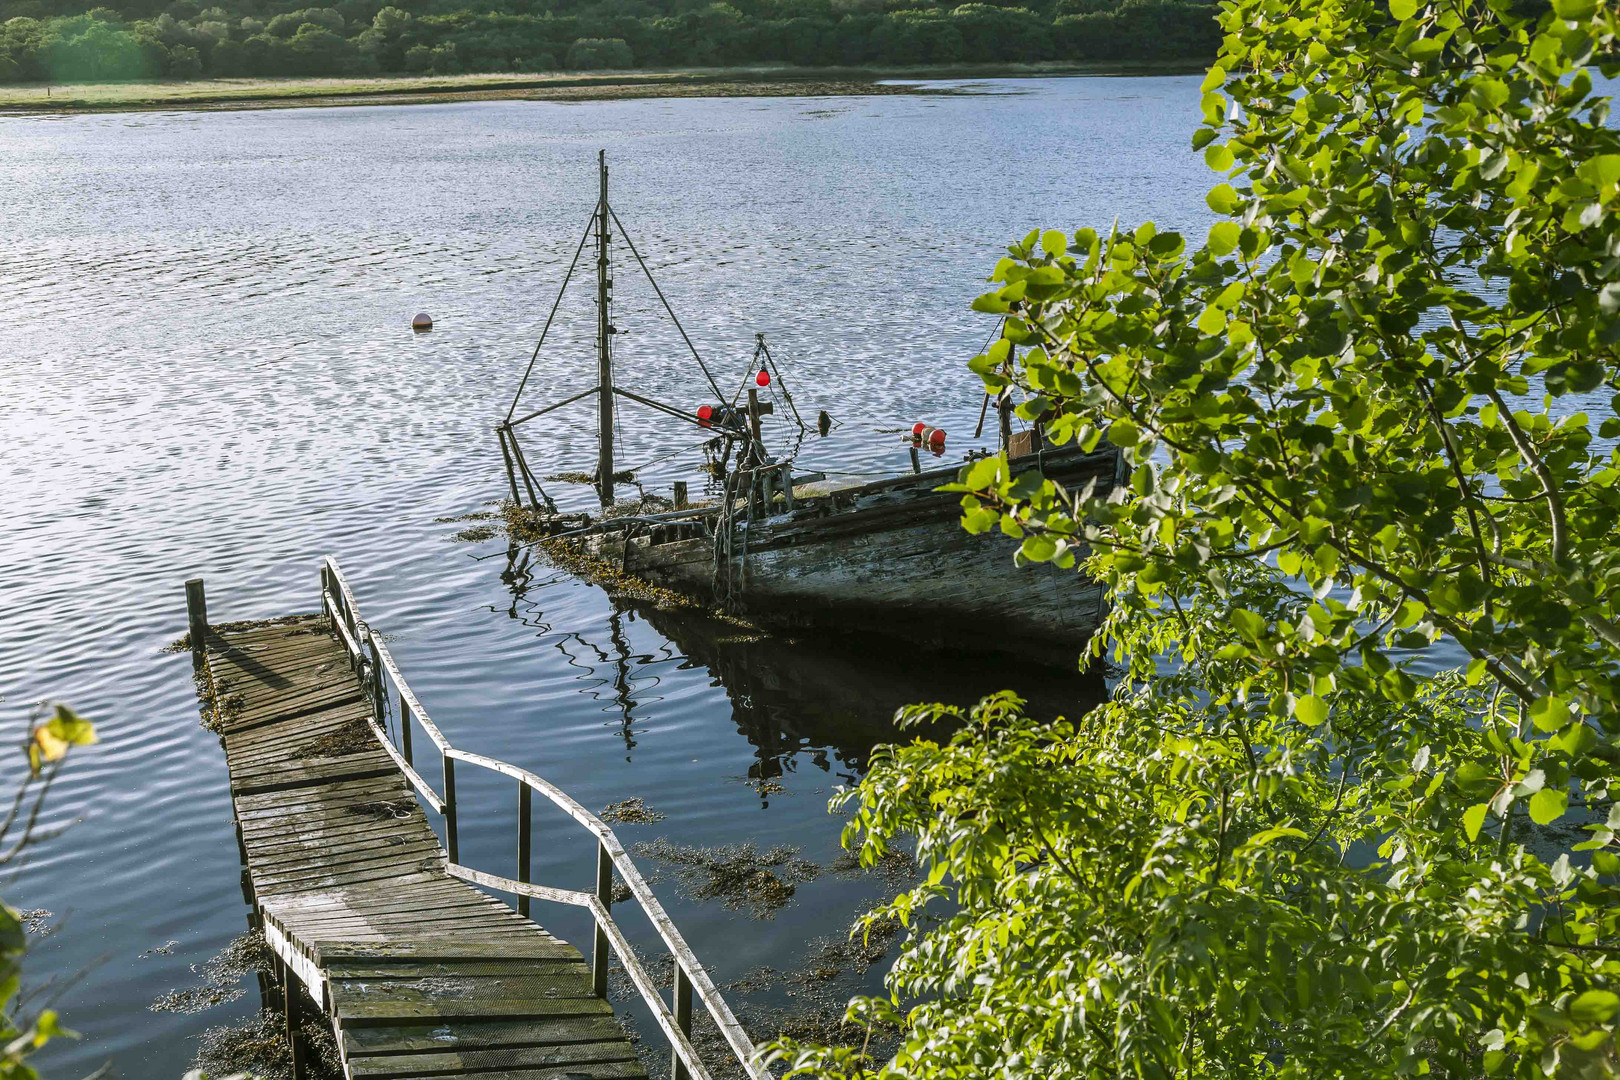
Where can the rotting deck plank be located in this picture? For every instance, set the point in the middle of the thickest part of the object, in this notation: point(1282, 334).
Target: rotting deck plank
point(421, 974)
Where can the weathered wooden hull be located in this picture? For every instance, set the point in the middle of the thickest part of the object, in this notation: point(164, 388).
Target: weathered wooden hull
point(889, 557)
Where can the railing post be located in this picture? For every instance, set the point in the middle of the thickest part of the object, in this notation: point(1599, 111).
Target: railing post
point(405, 728)
point(604, 893)
point(197, 616)
point(450, 809)
point(523, 844)
point(379, 700)
point(683, 1018)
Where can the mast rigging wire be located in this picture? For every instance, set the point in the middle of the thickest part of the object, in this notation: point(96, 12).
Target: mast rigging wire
point(554, 305)
point(673, 317)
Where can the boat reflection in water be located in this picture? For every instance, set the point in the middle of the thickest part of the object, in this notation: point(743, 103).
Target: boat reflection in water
point(826, 699)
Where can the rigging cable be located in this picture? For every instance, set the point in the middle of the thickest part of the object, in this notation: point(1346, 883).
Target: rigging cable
point(553, 315)
point(673, 317)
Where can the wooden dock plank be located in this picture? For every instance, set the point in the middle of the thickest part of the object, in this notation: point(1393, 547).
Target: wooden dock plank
point(424, 975)
point(476, 1035)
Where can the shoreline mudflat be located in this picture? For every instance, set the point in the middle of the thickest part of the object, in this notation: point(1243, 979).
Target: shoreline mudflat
point(223, 94)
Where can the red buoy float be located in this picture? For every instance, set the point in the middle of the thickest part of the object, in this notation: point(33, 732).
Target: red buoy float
point(931, 436)
point(763, 378)
point(718, 416)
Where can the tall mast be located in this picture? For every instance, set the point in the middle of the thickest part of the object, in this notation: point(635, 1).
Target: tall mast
point(604, 347)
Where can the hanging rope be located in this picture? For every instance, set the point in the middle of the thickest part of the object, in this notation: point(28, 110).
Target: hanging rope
point(654, 282)
point(547, 329)
point(675, 454)
point(777, 371)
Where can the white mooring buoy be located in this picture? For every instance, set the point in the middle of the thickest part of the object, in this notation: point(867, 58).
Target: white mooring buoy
point(423, 321)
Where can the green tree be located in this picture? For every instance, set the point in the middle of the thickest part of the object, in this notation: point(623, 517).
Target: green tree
point(101, 52)
point(318, 51)
point(592, 54)
point(1371, 414)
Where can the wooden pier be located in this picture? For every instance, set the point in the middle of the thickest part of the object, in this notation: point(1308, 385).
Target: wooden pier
point(420, 973)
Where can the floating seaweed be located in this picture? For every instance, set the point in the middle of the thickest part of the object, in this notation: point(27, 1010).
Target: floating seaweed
point(631, 812)
point(258, 1046)
point(738, 875)
point(476, 534)
point(245, 954)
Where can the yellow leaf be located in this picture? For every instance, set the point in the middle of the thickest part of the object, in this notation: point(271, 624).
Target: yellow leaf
point(50, 741)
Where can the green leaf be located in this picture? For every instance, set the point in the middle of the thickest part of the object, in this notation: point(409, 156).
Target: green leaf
point(1474, 820)
point(1223, 238)
point(1039, 548)
point(1574, 10)
point(984, 473)
point(1249, 624)
point(1212, 321)
point(1310, 710)
point(1547, 805)
point(1223, 199)
point(1054, 243)
point(1549, 713)
point(1218, 157)
point(1402, 9)
point(1123, 433)
point(1594, 1007)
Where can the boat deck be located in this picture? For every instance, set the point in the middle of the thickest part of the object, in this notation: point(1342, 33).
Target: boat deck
point(420, 974)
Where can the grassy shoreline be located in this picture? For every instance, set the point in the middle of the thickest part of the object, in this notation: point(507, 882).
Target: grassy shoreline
point(762, 81)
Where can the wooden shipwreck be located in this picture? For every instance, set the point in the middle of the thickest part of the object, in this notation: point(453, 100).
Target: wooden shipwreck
point(888, 556)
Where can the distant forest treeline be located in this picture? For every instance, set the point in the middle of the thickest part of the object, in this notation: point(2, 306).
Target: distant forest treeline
point(60, 41)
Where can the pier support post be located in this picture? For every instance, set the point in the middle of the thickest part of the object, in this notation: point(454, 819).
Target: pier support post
point(604, 893)
point(293, 1010)
point(197, 617)
point(680, 495)
point(683, 1018)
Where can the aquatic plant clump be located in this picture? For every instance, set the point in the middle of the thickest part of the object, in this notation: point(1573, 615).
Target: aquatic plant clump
point(352, 738)
point(258, 1046)
point(738, 875)
point(246, 954)
point(476, 534)
point(631, 812)
point(38, 921)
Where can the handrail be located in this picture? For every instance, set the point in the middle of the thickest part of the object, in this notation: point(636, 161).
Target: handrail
point(339, 606)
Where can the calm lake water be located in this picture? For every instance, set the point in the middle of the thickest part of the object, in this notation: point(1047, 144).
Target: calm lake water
point(207, 369)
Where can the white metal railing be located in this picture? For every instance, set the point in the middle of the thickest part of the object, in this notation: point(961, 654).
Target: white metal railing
point(370, 658)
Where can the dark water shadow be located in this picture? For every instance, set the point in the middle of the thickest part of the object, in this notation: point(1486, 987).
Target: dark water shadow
point(824, 700)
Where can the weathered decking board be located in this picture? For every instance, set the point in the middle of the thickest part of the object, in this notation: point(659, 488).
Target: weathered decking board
point(421, 974)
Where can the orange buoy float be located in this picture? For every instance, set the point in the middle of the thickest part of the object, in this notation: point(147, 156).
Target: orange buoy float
point(423, 321)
